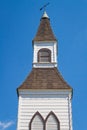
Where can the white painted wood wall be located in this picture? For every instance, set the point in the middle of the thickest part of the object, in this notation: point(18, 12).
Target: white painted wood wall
point(31, 101)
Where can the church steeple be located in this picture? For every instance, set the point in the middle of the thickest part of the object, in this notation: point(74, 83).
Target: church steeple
point(45, 45)
point(45, 60)
point(44, 96)
point(44, 32)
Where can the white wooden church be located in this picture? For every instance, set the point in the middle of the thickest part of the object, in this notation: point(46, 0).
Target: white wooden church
point(44, 97)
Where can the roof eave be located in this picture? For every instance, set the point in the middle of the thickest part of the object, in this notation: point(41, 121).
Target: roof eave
point(44, 41)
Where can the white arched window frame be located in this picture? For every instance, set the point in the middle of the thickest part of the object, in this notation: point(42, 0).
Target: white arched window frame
point(52, 122)
point(37, 122)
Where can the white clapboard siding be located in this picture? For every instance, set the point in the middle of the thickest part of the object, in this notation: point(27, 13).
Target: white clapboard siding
point(44, 103)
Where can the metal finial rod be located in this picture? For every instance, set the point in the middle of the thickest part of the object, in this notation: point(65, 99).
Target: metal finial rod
point(44, 7)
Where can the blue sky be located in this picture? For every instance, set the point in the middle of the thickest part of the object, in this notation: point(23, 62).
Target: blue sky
point(19, 20)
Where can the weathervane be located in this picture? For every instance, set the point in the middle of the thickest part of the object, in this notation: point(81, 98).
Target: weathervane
point(44, 7)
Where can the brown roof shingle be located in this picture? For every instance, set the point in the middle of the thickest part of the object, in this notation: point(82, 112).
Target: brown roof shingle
point(44, 32)
point(44, 78)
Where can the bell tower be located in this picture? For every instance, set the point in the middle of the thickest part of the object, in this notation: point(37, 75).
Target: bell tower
point(44, 98)
point(45, 45)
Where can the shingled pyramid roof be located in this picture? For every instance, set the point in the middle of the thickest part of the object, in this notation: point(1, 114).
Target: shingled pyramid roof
point(44, 78)
point(44, 32)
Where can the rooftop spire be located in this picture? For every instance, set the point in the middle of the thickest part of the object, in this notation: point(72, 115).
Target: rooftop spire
point(44, 8)
point(45, 15)
point(44, 32)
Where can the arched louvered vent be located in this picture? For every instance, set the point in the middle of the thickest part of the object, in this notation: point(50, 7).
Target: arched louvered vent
point(52, 122)
point(44, 55)
point(37, 122)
